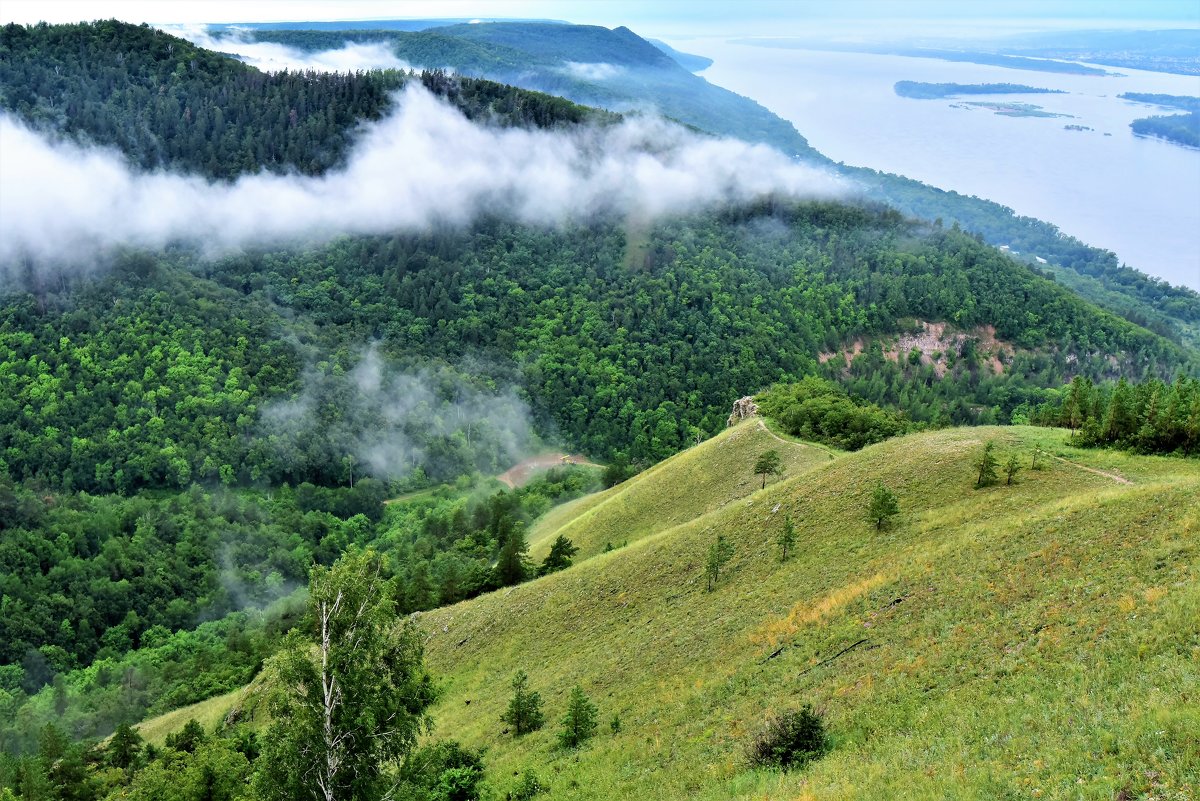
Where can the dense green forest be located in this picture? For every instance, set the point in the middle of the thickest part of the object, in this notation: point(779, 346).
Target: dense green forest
point(622, 347)
point(1151, 417)
point(183, 438)
point(166, 103)
point(1094, 274)
point(103, 594)
point(534, 55)
point(390, 690)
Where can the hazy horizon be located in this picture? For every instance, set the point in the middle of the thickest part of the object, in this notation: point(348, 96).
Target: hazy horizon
point(863, 18)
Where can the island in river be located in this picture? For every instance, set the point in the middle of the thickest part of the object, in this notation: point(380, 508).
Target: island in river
point(935, 91)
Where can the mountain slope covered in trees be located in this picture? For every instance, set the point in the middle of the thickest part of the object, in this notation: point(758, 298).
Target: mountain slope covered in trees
point(548, 57)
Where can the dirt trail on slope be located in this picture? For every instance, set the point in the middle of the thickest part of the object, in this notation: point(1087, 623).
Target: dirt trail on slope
point(519, 474)
point(1113, 476)
point(778, 438)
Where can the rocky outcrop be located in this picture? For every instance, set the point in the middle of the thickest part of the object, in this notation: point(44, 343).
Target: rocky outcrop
point(742, 408)
point(933, 344)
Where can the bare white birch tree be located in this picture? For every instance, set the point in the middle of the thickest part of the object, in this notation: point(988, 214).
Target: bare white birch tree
point(351, 707)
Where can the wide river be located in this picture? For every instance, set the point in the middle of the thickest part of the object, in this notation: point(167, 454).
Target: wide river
point(1137, 197)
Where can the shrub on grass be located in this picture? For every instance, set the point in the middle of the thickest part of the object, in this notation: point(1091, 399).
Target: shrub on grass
point(719, 554)
point(787, 539)
point(883, 507)
point(442, 771)
point(768, 464)
point(1039, 459)
point(789, 740)
point(527, 787)
point(1010, 468)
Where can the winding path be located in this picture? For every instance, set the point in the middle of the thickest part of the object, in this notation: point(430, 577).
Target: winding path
point(797, 443)
point(1113, 476)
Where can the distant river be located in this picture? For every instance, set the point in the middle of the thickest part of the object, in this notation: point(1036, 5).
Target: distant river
point(1137, 197)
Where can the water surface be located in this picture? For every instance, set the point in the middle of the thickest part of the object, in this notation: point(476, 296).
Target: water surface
point(1137, 197)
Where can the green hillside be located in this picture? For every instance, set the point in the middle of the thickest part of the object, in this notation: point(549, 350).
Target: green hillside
point(1033, 640)
point(1029, 637)
point(690, 484)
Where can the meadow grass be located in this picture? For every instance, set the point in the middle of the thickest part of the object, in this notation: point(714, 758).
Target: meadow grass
point(246, 705)
point(209, 713)
point(691, 483)
point(1034, 640)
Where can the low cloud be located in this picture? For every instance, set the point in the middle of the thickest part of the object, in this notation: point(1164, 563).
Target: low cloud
point(592, 71)
point(273, 57)
point(390, 422)
point(423, 165)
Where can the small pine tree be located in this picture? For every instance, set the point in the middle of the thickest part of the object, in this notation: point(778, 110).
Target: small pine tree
point(524, 711)
point(579, 724)
point(512, 565)
point(1010, 468)
point(124, 746)
point(719, 554)
point(987, 465)
point(787, 539)
point(768, 464)
point(614, 725)
point(1038, 462)
point(883, 507)
point(559, 557)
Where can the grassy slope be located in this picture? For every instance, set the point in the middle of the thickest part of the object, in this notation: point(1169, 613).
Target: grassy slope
point(209, 713)
point(691, 483)
point(212, 713)
point(1041, 637)
point(1034, 640)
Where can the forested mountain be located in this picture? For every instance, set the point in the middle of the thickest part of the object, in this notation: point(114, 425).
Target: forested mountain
point(622, 347)
point(184, 434)
point(625, 73)
point(754, 293)
point(614, 69)
point(167, 103)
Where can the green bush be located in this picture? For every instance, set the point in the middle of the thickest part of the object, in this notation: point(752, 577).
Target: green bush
point(528, 787)
point(789, 740)
point(442, 771)
point(821, 411)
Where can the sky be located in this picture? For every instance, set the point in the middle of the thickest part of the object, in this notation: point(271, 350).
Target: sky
point(652, 17)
